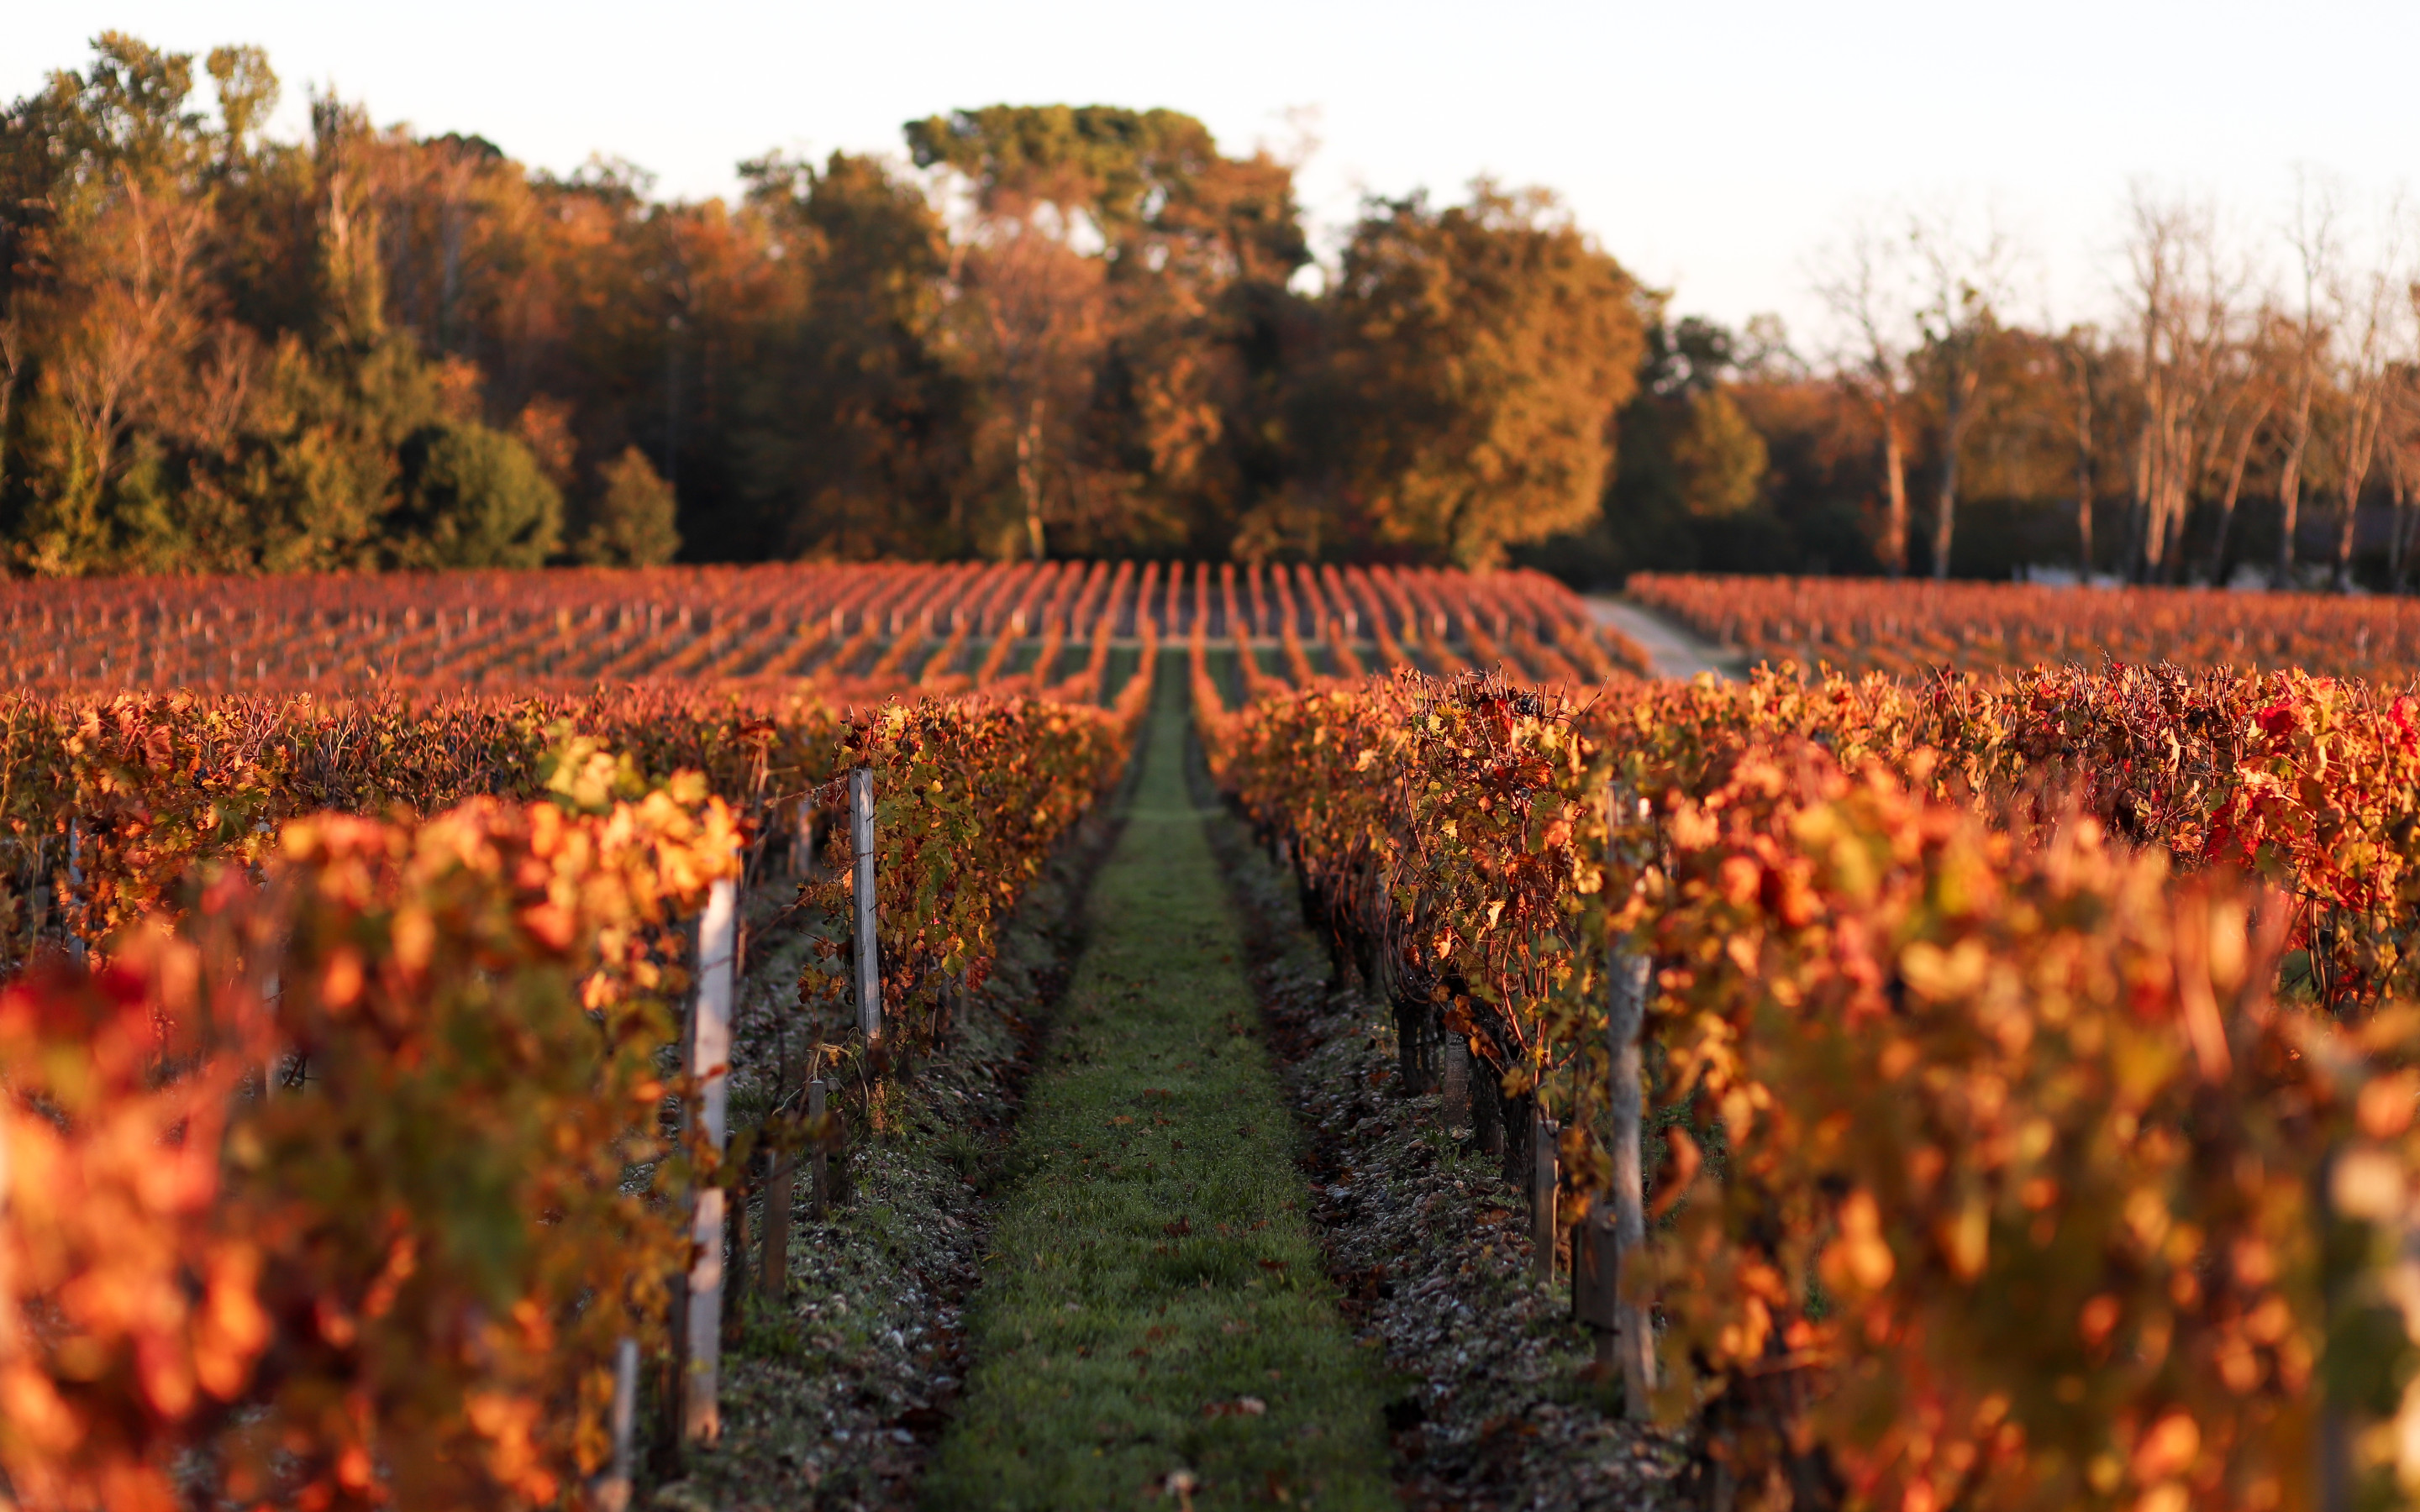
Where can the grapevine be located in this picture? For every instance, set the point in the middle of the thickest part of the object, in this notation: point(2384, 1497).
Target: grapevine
point(1928, 979)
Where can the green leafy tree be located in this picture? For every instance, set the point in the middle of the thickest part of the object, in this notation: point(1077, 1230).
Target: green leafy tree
point(1113, 166)
point(472, 496)
point(1727, 451)
point(631, 522)
point(1719, 456)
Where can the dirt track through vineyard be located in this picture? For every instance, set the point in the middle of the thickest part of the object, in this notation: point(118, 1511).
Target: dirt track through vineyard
point(1152, 1317)
point(1676, 650)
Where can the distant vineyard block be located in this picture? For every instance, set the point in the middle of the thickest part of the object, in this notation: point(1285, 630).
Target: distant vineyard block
point(855, 632)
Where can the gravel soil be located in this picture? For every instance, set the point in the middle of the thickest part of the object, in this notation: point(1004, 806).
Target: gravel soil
point(1428, 1242)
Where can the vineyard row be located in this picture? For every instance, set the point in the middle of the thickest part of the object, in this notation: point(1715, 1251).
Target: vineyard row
point(1998, 1093)
point(1909, 629)
point(2028, 1111)
point(361, 1160)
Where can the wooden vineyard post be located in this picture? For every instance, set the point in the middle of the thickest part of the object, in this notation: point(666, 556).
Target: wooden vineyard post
point(274, 1063)
point(818, 1164)
point(709, 1061)
point(613, 1487)
point(38, 894)
point(1615, 1228)
point(2338, 1470)
point(734, 1273)
point(803, 843)
point(1486, 1109)
point(75, 886)
point(1543, 1180)
point(1632, 1336)
point(1457, 1082)
point(780, 1183)
point(869, 956)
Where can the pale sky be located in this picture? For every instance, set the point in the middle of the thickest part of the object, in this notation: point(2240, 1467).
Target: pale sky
point(1714, 148)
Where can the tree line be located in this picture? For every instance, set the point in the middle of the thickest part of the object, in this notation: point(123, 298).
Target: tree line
point(2246, 409)
point(1090, 331)
point(1051, 330)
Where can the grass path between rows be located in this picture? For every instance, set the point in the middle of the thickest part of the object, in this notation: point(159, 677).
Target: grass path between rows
point(1152, 1303)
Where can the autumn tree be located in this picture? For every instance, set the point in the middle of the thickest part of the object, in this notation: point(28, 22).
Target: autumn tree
point(641, 322)
point(2184, 300)
point(2371, 320)
point(857, 421)
point(1041, 323)
point(1126, 288)
point(1864, 283)
point(2399, 455)
point(2301, 333)
point(1082, 330)
point(201, 370)
point(1958, 327)
point(2083, 368)
point(2248, 393)
point(1211, 340)
point(1044, 179)
point(106, 302)
point(1480, 351)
